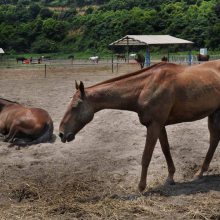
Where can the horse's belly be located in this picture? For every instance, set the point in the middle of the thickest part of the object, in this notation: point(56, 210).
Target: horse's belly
point(194, 102)
point(192, 111)
point(187, 116)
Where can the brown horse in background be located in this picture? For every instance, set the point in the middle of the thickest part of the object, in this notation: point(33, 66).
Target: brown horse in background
point(162, 94)
point(23, 126)
point(201, 57)
point(120, 56)
point(164, 58)
point(140, 59)
point(20, 59)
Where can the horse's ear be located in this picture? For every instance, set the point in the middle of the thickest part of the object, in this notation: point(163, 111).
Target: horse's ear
point(76, 85)
point(81, 88)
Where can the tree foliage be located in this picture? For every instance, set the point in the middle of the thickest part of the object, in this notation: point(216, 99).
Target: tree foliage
point(41, 26)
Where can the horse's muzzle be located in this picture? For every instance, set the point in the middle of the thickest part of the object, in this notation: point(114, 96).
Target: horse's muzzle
point(66, 138)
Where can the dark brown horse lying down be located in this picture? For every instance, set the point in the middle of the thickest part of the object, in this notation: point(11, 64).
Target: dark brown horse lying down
point(162, 94)
point(24, 126)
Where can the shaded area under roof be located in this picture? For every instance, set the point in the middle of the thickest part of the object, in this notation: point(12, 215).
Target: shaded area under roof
point(149, 40)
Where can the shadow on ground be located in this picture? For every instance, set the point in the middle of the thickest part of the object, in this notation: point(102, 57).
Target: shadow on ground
point(203, 185)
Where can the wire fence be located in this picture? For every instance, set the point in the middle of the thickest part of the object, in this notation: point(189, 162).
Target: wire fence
point(54, 68)
point(184, 59)
point(112, 65)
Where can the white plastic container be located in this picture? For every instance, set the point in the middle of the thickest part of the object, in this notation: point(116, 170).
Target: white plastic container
point(203, 51)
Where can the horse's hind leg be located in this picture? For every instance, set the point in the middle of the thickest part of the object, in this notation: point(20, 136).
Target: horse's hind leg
point(166, 151)
point(214, 129)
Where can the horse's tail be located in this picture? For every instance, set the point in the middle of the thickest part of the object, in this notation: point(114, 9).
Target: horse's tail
point(46, 136)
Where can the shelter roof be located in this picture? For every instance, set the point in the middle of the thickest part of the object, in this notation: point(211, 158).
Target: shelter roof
point(1, 50)
point(149, 40)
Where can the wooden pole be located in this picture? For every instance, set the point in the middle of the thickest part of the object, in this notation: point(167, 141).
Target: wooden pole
point(127, 51)
point(45, 70)
point(112, 63)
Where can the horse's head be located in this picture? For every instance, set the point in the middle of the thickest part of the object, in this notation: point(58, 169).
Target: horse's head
point(79, 112)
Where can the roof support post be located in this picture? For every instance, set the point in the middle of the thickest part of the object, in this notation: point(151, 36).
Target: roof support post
point(147, 57)
point(113, 62)
point(190, 58)
point(127, 51)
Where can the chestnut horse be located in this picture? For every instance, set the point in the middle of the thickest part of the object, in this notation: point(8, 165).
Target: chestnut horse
point(23, 126)
point(162, 94)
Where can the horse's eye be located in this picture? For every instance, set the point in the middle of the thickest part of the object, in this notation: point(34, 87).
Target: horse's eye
point(77, 104)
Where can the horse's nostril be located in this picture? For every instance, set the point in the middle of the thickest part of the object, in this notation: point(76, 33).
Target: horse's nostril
point(61, 135)
point(70, 137)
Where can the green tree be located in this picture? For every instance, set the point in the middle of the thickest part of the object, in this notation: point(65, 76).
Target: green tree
point(44, 45)
point(45, 13)
point(34, 10)
point(53, 29)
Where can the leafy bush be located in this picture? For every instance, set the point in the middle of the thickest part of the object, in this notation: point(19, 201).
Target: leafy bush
point(44, 45)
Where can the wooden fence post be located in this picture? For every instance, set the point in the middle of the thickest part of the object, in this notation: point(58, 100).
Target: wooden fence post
point(45, 70)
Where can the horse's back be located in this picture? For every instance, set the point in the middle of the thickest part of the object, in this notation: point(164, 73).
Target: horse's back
point(196, 92)
point(186, 93)
point(203, 74)
point(25, 116)
point(41, 115)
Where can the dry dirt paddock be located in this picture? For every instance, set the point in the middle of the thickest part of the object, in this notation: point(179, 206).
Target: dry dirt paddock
point(96, 176)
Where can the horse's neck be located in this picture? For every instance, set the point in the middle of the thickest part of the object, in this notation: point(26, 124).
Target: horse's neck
point(4, 103)
point(115, 95)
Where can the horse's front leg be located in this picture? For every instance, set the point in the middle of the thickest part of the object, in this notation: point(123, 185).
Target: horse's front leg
point(153, 132)
point(14, 129)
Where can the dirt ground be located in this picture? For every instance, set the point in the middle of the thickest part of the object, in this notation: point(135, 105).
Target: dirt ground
point(96, 176)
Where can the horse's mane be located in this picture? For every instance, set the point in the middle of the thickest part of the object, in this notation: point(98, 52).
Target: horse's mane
point(8, 100)
point(129, 74)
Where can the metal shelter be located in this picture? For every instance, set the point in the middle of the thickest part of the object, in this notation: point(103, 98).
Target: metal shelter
point(147, 40)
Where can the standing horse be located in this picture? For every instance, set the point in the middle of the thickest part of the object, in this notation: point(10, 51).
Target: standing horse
point(164, 58)
point(162, 94)
point(20, 59)
point(22, 126)
point(201, 57)
point(94, 59)
point(120, 56)
point(140, 59)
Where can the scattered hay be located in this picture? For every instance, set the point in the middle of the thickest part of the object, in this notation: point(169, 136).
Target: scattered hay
point(24, 192)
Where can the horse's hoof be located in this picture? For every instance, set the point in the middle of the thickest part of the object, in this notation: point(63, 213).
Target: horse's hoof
point(17, 148)
point(10, 145)
point(197, 177)
point(141, 187)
